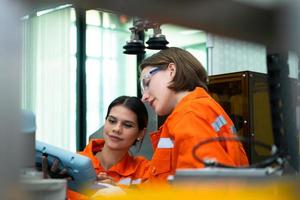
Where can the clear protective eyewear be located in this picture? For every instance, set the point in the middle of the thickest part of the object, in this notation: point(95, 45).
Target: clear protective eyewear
point(145, 80)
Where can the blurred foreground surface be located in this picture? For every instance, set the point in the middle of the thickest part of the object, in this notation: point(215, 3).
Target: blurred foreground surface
point(265, 188)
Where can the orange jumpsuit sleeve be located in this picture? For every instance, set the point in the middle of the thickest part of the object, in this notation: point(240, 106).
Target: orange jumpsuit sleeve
point(188, 132)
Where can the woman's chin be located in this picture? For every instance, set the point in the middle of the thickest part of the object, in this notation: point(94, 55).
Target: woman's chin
point(114, 147)
point(160, 112)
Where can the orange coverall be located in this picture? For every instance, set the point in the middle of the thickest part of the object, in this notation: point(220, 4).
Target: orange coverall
point(128, 171)
point(195, 118)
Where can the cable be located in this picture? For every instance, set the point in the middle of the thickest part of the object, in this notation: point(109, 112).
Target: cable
point(277, 155)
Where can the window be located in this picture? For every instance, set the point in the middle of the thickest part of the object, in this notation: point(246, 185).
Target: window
point(191, 40)
point(109, 72)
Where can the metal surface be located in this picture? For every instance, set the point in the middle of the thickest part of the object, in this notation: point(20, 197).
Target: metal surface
point(220, 172)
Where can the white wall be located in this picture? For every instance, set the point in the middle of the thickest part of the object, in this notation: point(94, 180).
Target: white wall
point(230, 55)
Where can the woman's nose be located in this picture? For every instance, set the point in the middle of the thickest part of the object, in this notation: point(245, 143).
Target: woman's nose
point(117, 128)
point(145, 96)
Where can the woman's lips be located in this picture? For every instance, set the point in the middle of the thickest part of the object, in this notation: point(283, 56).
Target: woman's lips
point(114, 138)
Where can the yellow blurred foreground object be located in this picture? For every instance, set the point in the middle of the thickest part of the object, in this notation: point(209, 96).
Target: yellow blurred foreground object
point(217, 189)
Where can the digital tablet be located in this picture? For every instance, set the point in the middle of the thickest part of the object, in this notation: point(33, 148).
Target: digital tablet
point(79, 167)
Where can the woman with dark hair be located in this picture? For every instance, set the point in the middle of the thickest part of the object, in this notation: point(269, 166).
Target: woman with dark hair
point(125, 125)
point(173, 83)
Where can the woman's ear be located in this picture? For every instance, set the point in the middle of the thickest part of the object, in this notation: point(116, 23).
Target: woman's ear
point(141, 134)
point(172, 69)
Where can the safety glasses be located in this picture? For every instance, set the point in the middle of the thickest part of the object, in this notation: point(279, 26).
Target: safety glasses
point(145, 80)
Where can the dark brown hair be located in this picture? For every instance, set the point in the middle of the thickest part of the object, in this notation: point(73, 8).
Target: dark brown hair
point(189, 71)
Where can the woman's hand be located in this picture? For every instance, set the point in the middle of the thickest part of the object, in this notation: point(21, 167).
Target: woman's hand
point(102, 177)
point(54, 171)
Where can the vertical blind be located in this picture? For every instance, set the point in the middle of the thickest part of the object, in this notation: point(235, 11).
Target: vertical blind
point(48, 78)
